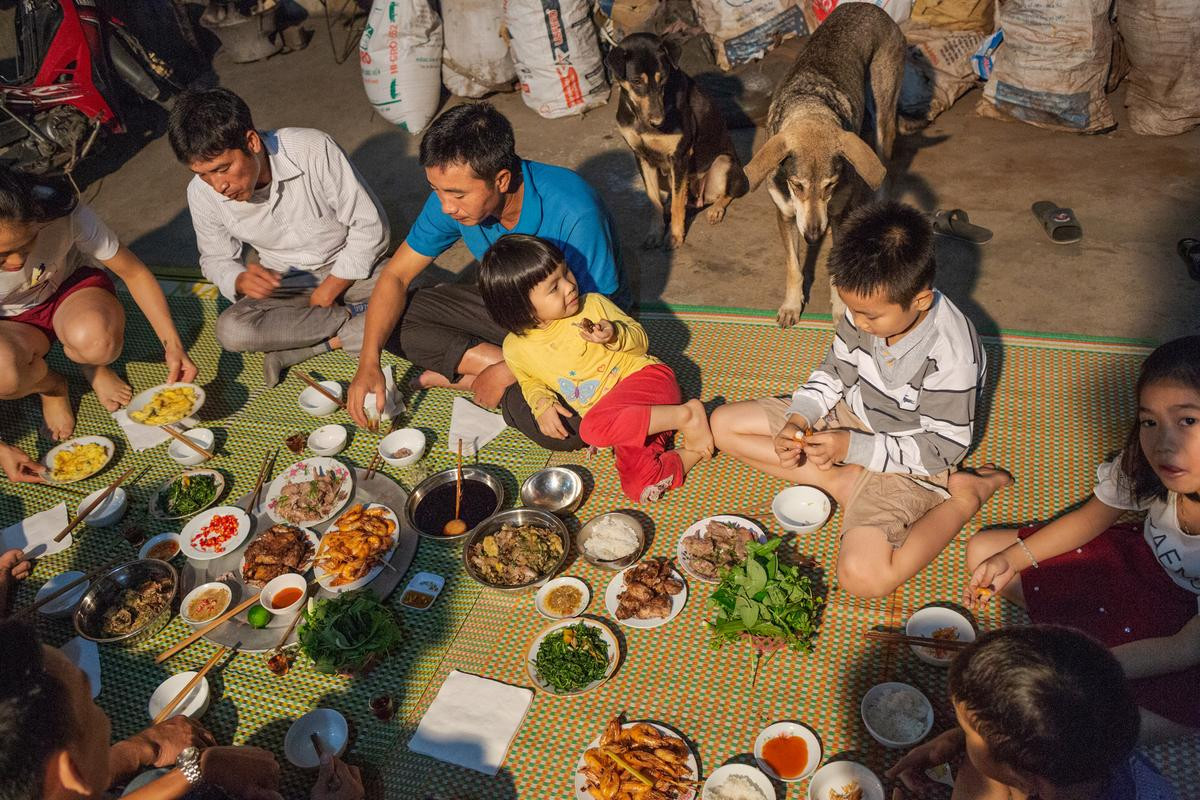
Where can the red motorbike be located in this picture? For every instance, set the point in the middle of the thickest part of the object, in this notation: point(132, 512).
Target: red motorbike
point(72, 62)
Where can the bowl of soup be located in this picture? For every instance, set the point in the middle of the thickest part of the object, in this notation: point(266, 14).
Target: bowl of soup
point(430, 506)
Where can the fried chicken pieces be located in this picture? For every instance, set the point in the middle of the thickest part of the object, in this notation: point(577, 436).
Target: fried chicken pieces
point(637, 762)
point(648, 590)
point(277, 551)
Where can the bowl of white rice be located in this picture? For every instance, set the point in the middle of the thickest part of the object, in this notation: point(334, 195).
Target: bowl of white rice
point(611, 541)
point(738, 782)
point(897, 715)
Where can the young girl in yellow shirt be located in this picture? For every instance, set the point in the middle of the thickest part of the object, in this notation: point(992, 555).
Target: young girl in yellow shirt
point(583, 355)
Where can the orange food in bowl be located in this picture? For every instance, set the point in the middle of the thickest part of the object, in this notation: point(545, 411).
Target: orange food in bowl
point(786, 755)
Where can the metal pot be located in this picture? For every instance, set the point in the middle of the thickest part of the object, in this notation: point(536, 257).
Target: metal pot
point(518, 516)
point(106, 591)
point(450, 476)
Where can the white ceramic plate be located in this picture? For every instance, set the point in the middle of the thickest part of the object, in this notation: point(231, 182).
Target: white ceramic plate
point(836, 775)
point(614, 655)
point(931, 618)
point(788, 728)
point(313, 539)
point(197, 524)
point(700, 528)
point(307, 470)
point(159, 496)
point(617, 585)
point(326, 579)
point(70, 444)
point(65, 603)
point(721, 774)
point(539, 599)
point(581, 792)
point(331, 730)
point(140, 400)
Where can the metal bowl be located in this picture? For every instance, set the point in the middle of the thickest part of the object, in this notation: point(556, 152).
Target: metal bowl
point(518, 516)
point(449, 476)
point(617, 563)
point(107, 589)
point(555, 489)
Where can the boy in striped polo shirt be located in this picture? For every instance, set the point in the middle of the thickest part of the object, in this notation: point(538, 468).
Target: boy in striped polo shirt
point(883, 422)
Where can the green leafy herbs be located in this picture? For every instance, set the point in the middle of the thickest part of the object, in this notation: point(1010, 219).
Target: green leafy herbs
point(348, 633)
point(572, 657)
point(770, 604)
point(188, 494)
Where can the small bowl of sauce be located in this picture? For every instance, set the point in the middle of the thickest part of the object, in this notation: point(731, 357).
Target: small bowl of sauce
point(284, 595)
point(164, 547)
point(422, 590)
point(787, 751)
point(205, 602)
point(562, 598)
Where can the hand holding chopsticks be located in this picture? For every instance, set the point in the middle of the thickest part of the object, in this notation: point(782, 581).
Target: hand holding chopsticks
point(187, 687)
point(195, 635)
point(57, 593)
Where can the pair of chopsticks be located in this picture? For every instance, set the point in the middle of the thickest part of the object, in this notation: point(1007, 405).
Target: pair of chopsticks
point(195, 636)
point(92, 506)
point(264, 469)
point(186, 440)
point(375, 459)
point(59, 592)
point(920, 641)
point(322, 390)
point(187, 687)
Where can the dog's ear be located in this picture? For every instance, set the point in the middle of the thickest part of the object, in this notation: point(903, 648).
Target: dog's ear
point(862, 158)
point(669, 50)
point(765, 161)
point(616, 63)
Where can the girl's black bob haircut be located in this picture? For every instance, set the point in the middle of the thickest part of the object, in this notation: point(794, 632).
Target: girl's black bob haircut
point(27, 199)
point(509, 271)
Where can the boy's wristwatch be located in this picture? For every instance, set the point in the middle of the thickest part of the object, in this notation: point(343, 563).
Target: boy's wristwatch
point(188, 763)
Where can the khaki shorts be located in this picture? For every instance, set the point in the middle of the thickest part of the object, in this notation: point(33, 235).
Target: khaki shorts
point(889, 501)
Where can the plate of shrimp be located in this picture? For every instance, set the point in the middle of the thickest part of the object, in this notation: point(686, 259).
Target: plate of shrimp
point(640, 759)
point(356, 547)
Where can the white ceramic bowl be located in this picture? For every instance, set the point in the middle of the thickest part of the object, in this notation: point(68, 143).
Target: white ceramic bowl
point(155, 541)
point(869, 712)
point(931, 618)
point(65, 604)
point(331, 730)
point(837, 774)
point(107, 512)
point(318, 405)
point(539, 599)
point(194, 593)
point(180, 453)
point(410, 438)
point(194, 705)
point(328, 440)
point(720, 775)
point(801, 509)
point(275, 585)
point(787, 728)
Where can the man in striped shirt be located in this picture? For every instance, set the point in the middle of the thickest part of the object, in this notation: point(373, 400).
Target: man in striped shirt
point(883, 422)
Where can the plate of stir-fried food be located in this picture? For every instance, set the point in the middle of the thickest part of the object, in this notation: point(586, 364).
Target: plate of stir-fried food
point(714, 544)
point(78, 458)
point(310, 492)
point(356, 546)
point(644, 760)
point(646, 595)
point(166, 404)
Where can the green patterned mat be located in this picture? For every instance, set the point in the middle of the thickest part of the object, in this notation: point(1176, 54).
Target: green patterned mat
point(1055, 408)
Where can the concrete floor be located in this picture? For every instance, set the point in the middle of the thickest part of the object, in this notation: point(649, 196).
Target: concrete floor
point(1136, 196)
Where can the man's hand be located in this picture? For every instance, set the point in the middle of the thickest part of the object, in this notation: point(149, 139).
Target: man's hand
point(911, 768)
point(337, 781)
point(243, 772)
point(257, 282)
point(369, 378)
point(19, 467)
point(827, 448)
point(13, 566)
point(328, 292)
point(163, 742)
point(602, 332)
point(179, 366)
point(550, 421)
point(788, 446)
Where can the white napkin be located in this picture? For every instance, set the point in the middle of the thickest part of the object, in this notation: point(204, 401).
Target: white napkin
point(472, 722)
point(143, 437)
point(40, 530)
point(85, 655)
point(393, 400)
point(474, 425)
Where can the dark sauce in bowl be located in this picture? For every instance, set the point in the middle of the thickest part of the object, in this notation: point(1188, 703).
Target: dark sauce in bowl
point(437, 507)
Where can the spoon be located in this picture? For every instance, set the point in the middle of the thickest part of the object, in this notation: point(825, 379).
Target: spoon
point(456, 526)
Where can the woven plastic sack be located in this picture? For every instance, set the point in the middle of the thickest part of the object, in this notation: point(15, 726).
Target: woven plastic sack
point(557, 56)
point(475, 60)
point(401, 55)
point(744, 31)
point(1161, 39)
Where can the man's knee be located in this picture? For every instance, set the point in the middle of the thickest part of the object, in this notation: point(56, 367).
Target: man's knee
point(234, 332)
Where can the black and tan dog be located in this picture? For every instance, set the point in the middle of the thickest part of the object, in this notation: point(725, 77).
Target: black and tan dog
point(677, 134)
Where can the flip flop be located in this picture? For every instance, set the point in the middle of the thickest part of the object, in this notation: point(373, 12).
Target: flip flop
point(1060, 224)
point(1189, 250)
point(956, 224)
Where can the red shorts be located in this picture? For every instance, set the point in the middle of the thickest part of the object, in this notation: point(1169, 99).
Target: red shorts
point(41, 316)
point(1114, 589)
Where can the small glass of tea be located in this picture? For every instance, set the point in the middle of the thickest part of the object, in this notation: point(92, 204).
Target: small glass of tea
point(383, 706)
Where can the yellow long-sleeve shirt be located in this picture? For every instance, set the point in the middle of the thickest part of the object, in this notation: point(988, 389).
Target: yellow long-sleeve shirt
point(556, 359)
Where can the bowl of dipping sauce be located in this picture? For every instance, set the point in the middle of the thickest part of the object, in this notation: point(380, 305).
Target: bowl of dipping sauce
point(788, 751)
point(164, 547)
point(182, 454)
point(316, 404)
point(801, 509)
point(430, 506)
point(205, 603)
point(284, 595)
point(402, 448)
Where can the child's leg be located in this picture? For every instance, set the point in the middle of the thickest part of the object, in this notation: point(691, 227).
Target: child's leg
point(1155, 729)
point(986, 544)
point(647, 472)
point(868, 564)
point(690, 419)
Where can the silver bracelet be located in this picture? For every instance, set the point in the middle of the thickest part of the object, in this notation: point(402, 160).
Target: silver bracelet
point(1028, 553)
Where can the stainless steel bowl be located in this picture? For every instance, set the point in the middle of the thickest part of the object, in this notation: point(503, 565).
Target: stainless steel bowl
point(555, 489)
point(450, 476)
point(518, 516)
point(617, 563)
point(106, 591)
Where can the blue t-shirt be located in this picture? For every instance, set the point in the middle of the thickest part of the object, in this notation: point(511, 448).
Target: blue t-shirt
point(558, 206)
point(1137, 779)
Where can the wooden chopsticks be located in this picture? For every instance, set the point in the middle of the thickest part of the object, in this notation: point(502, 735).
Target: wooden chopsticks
point(92, 506)
point(185, 440)
point(187, 687)
point(375, 459)
point(322, 390)
point(264, 469)
point(192, 638)
point(59, 592)
point(919, 641)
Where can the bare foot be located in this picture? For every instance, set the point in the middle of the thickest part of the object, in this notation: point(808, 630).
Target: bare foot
point(697, 436)
point(690, 458)
point(982, 481)
point(111, 391)
point(56, 411)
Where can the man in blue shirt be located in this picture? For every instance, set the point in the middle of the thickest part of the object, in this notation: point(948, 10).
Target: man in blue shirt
point(481, 191)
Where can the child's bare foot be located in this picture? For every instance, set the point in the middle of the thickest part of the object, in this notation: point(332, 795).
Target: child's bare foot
point(982, 482)
point(697, 436)
point(56, 411)
point(111, 391)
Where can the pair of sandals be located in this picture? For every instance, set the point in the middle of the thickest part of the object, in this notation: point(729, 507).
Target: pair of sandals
point(1060, 224)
